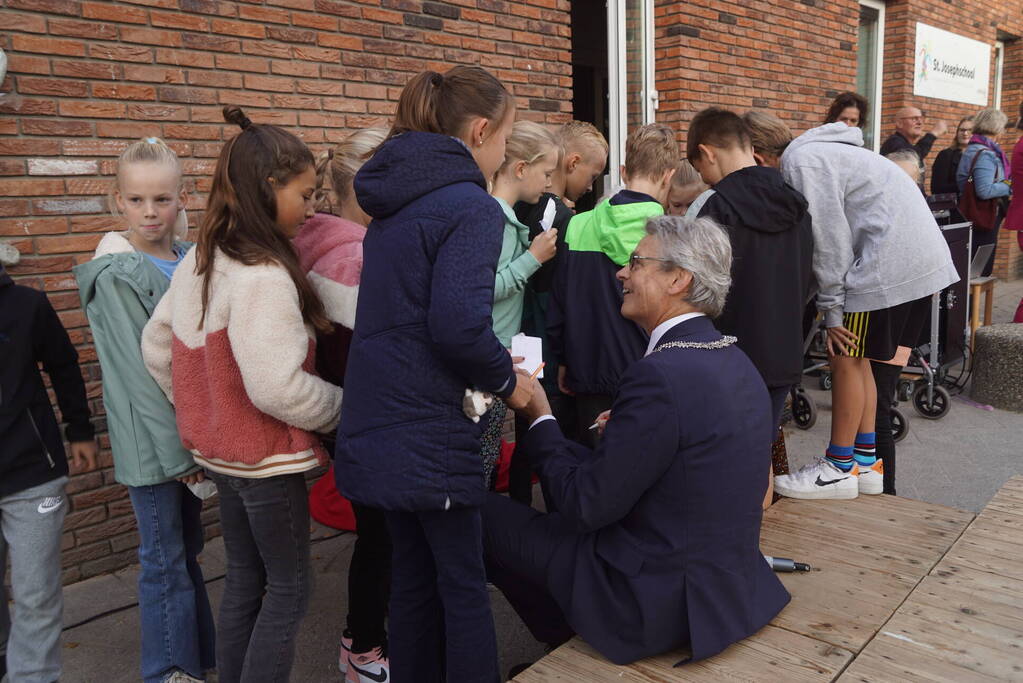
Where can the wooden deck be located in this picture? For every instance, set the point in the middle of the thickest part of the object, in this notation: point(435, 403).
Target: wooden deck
point(906, 590)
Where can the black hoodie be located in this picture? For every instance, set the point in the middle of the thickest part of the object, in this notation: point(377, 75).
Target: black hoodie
point(772, 268)
point(31, 450)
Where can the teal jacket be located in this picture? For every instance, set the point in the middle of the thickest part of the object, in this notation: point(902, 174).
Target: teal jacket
point(119, 289)
point(514, 267)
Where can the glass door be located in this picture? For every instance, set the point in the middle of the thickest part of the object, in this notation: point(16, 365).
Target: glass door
point(632, 92)
point(869, 67)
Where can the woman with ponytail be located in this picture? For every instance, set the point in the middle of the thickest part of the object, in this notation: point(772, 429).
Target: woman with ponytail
point(422, 337)
point(232, 343)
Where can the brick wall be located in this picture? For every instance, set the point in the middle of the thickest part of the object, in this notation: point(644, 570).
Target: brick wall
point(792, 56)
point(88, 77)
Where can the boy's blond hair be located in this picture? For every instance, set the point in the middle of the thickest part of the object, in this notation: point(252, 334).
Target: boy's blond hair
point(575, 134)
point(529, 142)
point(686, 175)
point(769, 134)
point(651, 151)
point(336, 167)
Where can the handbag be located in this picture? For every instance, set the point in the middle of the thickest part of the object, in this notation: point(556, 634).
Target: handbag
point(983, 213)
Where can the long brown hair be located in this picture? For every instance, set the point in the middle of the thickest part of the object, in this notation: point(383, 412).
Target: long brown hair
point(845, 100)
point(241, 213)
point(442, 103)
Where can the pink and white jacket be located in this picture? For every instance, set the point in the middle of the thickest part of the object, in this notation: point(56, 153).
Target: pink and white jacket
point(330, 252)
point(243, 384)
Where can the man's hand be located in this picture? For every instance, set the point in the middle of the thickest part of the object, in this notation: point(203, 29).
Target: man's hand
point(538, 405)
point(841, 341)
point(193, 478)
point(939, 129)
point(601, 422)
point(83, 456)
point(563, 373)
point(523, 391)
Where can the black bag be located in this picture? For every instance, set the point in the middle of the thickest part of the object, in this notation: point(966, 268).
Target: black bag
point(983, 213)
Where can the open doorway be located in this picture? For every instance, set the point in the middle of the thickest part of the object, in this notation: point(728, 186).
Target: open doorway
point(590, 78)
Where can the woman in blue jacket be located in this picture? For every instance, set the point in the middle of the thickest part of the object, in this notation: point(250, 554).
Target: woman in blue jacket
point(423, 336)
point(989, 174)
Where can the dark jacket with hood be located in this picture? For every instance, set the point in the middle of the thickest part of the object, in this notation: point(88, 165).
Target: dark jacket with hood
point(31, 449)
point(770, 229)
point(422, 329)
point(585, 327)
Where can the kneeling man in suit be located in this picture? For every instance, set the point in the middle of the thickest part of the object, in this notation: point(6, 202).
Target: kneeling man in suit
point(655, 542)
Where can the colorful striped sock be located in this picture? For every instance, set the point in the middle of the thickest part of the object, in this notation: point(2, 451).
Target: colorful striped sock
point(865, 451)
point(840, 456)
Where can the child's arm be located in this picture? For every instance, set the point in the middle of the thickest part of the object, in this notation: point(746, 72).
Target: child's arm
point(462, 299)
point(158, 344)
point(53, 348)
point(271, 346)
point(511, 278)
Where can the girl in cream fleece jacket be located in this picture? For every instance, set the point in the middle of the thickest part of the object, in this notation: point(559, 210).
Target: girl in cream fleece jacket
point(232, 345)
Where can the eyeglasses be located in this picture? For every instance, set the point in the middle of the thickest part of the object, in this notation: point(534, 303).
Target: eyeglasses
point(634, 260)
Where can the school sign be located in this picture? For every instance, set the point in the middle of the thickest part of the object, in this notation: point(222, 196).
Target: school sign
point(950, 66)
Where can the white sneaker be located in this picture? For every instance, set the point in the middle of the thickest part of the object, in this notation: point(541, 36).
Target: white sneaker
point(180, 676)
point(818, 480)
point(871, 479)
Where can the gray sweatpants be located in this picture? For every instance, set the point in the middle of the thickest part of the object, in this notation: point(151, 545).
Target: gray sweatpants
point(30, 528)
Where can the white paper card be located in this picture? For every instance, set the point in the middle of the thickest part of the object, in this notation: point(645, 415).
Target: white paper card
point(530, 348)
point(548, 215)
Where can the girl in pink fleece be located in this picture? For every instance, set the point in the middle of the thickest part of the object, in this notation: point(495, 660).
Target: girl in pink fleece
point(329, 248)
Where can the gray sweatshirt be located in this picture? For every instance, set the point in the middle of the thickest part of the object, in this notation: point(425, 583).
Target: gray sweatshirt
point(876, 244)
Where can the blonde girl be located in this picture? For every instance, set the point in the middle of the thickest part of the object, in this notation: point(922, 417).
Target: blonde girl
point(120, 287)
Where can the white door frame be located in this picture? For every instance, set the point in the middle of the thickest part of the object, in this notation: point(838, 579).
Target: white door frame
point(617, 86)
point(875, 97)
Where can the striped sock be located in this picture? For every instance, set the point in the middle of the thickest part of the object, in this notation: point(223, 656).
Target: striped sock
point(865, 452)
point(840, 456)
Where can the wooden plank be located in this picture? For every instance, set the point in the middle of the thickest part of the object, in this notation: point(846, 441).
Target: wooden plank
point(986, 558)
point(772, 654)
point(1006, 589)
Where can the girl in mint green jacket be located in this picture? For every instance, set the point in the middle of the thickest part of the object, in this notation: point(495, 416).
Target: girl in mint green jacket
point(119, 289)
point(531, 155)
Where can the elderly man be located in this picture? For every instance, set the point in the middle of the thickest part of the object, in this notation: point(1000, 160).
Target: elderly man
point(909, 134)
point(655, 544)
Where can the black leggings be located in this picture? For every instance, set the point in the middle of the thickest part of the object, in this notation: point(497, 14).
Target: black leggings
point(369, 580)
point(886, 377)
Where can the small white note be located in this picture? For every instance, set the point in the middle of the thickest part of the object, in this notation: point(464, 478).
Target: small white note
point(531, 349)
point(548, 215)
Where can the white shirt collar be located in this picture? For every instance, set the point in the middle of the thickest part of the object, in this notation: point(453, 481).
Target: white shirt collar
point(659, 331)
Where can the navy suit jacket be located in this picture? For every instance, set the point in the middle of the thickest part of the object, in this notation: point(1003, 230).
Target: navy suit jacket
point(668, 507)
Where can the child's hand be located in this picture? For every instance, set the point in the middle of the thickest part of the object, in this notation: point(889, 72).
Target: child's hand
point(193, 478)
point(544, 245)
point(83, 455)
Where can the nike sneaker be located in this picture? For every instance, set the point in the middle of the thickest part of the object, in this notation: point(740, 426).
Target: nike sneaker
point(346, 651)
point(871, 479)
point(368, 667)
point(819, 480)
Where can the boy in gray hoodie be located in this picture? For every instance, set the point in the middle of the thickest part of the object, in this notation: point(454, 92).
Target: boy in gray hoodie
point(878, 256)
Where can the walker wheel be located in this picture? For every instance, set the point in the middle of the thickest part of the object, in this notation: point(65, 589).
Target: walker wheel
point(804, 410)
point(937, 407)
point(900, 428)
point(905, 390)
point(824, 381)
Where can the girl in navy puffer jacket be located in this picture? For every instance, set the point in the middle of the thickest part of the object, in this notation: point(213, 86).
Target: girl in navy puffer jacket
point(422, 335)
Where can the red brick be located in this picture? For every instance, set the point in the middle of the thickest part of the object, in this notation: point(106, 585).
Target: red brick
point(184, 58)
point(28, 23)
point(215, 79)
point(48, 46)
point(201, 41)
point(30, 188)
point(32, 226)
point(263, 14)
point(317, 21)
point(267, 48)
point(295, 68)
point(121, 53)
point(178, 20)
point(65, 244)
point(13, 207)
point(271, 83)
point(126, 129)
point(107, 11)
point(120, 91)
point(90, 223)
point(31, 85)
point(153, 74)
point(12, 167)
point(89, 70)
point(26, 64)
point(316, 54)
point(191, 132)
point(243, 63)
point(69, 7)
point(290, 35)
point(242, 29)
point(92, 109)
point(157, 112)
point(148, 36)
point(340, 41)
point(82, 29)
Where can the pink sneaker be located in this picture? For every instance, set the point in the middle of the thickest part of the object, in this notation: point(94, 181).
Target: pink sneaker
point(368, 667)
point(346, 651)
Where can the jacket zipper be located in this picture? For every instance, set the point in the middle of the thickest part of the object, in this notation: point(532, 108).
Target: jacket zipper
point(49, 458)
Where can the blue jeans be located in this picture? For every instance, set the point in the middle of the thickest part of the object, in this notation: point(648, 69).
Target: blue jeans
point(266, 535)
point(440, 622)
point(177, 622)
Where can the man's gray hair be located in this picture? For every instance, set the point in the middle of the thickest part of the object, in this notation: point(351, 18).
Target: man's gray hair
point(702, 247)
point(904, 154)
